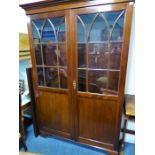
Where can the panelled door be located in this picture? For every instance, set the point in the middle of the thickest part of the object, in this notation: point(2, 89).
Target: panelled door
point(99, 50)
point(51, 70)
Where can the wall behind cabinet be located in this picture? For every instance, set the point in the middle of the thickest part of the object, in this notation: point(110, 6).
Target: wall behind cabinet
point(130, 77)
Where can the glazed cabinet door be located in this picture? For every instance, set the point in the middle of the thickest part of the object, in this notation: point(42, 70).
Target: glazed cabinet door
point(100, 54)
point(51, 72)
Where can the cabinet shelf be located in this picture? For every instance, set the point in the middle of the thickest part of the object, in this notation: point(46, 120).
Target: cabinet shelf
point(96, 69)
point(101, 42)
point(43, 43)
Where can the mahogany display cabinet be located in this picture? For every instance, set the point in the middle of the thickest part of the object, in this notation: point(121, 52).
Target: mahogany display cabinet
point(79, 52)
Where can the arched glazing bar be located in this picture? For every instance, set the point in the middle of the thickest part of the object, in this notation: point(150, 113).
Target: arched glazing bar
point(58, 63)
point(40, 35)
point(91, 25)
point(41, 32)
point(87, 39)
point(115, 42)
point(63, 20)
point(56, 37)
point(108, 66)
point(81, 41)
point(52, 26)
point(61, 37)
point(36, 29)
point(108, 39)
point(121, 14)
point(83, 25)
point(107, 26)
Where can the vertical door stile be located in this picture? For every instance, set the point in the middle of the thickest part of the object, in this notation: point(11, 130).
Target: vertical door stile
point(69, 43)
point(124, 58)
point(34, 70)
point(73, 29)
point(42, 53)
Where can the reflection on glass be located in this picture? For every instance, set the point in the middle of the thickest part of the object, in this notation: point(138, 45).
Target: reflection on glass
point(99, 45)
point(48, 33)
point(36, 34)
point(80, 30)
point(62, 33)
point(49, 36)
point(50, 54)
point(62, 54)
point(40, 76)
point(63, 77)
point(82, 80)
point(113, 80)
point(38, 54)
point(87, 20)
point(111, 17)
point(57, 22)
point(99, 31)
point(115, 55)
point(97, 81)
point(81, 55)
point(97, 55)
point(117, 33)
point(37, 27)
point(60, 28)
point(51, 76)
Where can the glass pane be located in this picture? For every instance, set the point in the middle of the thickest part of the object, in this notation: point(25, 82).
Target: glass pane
point(63, 77)
point(81, 34)
point(97, 55)
point(113, 80)
point(38, 54)
point(87, 20)
point(98, 31)
point(81, 55)
point(115, 55)
point(36, 29)
point(36, 34)
point(48, 33)
point(51, 76)
point(60, 28)
point(50, 54)
point(117, 33)
point(57, 22)
point(111, 17)
point(103, 42)
point(82, 80)
point(40, 76)
point(62, 33)
point(62, 54)
point(97, 81)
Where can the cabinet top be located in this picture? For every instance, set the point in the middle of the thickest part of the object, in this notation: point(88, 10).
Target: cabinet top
point(38, 4)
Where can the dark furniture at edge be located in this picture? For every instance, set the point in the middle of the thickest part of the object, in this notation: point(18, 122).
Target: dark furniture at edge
point(129, 114)
point(21, 127)
point(32, 96)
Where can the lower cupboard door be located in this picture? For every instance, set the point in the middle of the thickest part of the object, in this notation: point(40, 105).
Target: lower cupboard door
point(96, 121)
point(54, 113)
